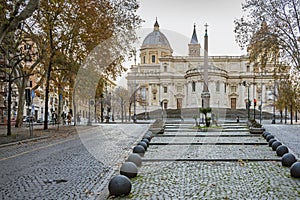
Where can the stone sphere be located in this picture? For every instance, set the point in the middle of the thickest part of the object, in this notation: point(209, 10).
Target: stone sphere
point(135, 158)
point(146, 141)
point(265, 134)
point(275, 145)
point(143, 144)
point(149, 133)
point(129, 169)
point(269, 137)
point(147, 137)
point(119, 185)
point(295, 170)
point(288, 159)
point(272, 141)
point(139, 150)
point(281, 150)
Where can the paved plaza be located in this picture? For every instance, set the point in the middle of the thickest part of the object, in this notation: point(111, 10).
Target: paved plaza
point(183, 163)
point(186, 164)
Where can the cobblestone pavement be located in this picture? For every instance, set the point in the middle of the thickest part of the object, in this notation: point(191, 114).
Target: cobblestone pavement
point(214, 180)
point(287, 134)
point(64, 167)
point(160, 177)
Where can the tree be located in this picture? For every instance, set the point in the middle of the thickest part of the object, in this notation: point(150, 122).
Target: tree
point(283, 20)
point(263, 48)
point(12, 13)
point(123, 96)
point(72, 31)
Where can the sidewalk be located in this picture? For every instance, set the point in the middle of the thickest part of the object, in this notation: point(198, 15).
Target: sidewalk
point(23, 134)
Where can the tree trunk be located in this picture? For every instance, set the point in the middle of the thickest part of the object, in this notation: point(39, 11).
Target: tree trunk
point(291, 114)
point(122, 111)
point(285, 115)
point(125, 112)
point(48, 80)
point(9, 106)
point(21, 102)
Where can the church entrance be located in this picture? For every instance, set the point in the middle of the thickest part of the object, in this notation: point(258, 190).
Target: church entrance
point(179, 103)
point(233, 103)
point(165, 105)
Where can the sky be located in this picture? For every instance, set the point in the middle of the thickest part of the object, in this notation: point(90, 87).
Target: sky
point(176, 19)
point(180, 16)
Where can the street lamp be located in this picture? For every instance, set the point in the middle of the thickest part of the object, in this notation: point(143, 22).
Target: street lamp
point(248, 100)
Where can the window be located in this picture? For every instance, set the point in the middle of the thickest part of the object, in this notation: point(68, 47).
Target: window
point(144, 59)
point(233, 89)
point(179, 88)
point(248, 68)
point(218, 86)
point(165, 89)
point(193, 86)
point(165, 68)
point(225, 88)
point(153, 59)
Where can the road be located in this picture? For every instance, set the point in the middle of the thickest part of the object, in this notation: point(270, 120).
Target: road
point(73, 167)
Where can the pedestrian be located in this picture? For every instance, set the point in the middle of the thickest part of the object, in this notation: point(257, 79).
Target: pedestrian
point(54, 118)
point(237, 119)
point(69, 117)
point(78, 118)
point(63, 116)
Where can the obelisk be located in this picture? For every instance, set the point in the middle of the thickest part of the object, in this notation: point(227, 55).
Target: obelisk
point(205, 93)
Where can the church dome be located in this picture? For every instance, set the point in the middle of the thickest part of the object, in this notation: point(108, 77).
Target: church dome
point(156, 38)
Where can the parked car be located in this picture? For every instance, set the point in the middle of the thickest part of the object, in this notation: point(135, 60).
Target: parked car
point(28, 118)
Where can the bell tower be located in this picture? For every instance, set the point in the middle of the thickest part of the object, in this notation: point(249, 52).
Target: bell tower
point(194, 46)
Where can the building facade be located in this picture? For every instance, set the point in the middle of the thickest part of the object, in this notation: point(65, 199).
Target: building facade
point(162, 80)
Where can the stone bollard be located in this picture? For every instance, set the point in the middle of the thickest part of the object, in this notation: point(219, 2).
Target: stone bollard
point(119, 185)
point(281, 150)
point(275, 145)
point(272, 141)
point(143, 144)
point(288, 159)
point(147, 137)
point(139, 150)
point(146, 141)
point(135, 158)
point(269, 137)
point(265, 134)
point(149, 133)
point(295, 170)
point(129, 169)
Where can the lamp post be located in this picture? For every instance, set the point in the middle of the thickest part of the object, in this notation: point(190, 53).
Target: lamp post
point(134, 99)
point(274, 96)
point(248, 98)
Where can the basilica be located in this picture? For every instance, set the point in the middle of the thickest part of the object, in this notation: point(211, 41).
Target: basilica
point(161, 80)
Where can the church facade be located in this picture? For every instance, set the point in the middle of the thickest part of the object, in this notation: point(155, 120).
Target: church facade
point(162, 80)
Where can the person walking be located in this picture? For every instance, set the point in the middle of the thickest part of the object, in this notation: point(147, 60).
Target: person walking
point(69, 117)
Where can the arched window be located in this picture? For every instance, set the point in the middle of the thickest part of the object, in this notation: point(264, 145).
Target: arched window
point(165, 89)
point(153, 58)
point(193, 86)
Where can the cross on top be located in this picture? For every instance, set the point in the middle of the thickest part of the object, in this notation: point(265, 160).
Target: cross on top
point(206, 25)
